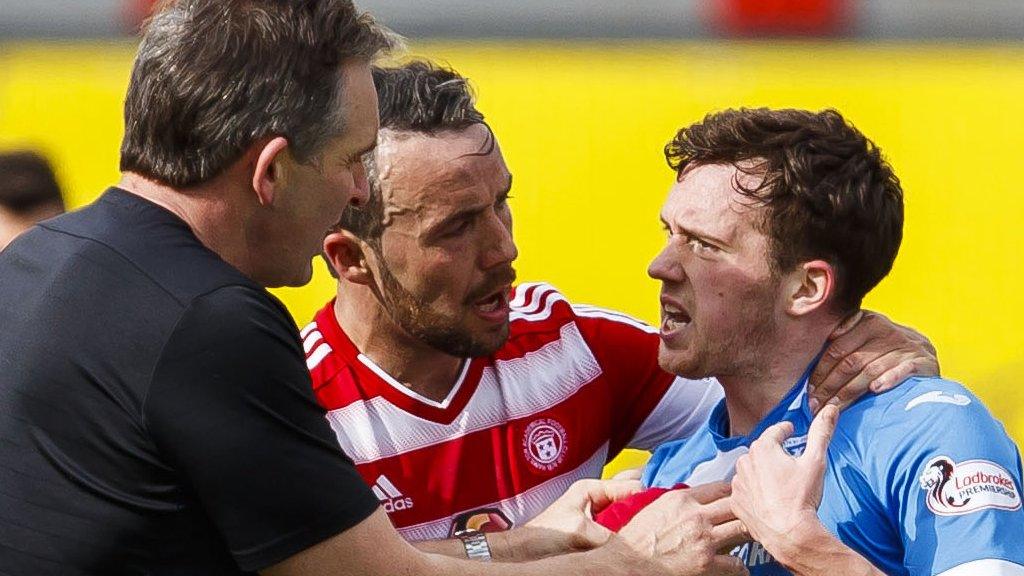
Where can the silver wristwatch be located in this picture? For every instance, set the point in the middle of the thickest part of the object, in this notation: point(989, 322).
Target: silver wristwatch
point(476, 545)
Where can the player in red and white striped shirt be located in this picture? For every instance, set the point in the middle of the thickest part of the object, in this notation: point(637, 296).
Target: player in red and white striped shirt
point(465, 403)
point(566, 392)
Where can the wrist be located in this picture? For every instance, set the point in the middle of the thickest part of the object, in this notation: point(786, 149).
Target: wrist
point(525, 544)
point(535, 542)
point(619, 557)
point(507, 546)
point(801, 543)
point(814, 551)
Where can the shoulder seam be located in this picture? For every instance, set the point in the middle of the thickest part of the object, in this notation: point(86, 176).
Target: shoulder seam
point(129, 261)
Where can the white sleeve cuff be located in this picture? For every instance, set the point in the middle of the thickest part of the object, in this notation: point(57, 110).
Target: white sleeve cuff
point(987, 567)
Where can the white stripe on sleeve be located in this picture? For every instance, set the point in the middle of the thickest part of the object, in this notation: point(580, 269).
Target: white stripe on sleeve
point(683, 409)
point(986, 567)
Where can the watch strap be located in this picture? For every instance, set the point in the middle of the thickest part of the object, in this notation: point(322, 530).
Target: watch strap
point(476, 545)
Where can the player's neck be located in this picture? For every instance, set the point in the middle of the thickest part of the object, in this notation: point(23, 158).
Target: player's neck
point(423, 369)
point(753, 389)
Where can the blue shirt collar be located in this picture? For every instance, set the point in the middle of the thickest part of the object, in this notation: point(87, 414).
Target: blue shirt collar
point(795, 400)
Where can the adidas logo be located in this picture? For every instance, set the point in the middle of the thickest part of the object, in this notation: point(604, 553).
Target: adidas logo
point(389, 496)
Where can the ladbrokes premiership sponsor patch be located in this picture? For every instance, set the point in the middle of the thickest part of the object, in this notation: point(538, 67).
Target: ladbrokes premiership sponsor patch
point(956, 488)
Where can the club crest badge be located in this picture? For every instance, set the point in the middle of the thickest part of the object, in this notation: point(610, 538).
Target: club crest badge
point(957, 488)
point(545, 444)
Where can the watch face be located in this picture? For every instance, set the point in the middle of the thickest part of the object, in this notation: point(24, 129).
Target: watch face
point(481, 520)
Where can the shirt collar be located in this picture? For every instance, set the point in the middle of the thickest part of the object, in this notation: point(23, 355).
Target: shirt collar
point(794, 400)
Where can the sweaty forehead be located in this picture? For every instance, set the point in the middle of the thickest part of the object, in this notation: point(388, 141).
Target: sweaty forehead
point(418, 170)
point(706, 197)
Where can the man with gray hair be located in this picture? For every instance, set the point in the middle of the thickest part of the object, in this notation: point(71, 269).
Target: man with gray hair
point(157, 416)
point(143, 432)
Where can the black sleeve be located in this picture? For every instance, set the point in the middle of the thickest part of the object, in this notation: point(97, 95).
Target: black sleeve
point(231, 407)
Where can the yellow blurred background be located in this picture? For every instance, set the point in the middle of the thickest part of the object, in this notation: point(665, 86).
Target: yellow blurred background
point(582, 125)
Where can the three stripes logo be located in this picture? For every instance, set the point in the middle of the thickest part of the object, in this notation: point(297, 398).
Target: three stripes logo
point(390, 497)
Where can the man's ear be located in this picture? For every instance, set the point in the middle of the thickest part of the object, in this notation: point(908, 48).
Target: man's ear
point(347, 255)
point(270, 173)
point(809, 287)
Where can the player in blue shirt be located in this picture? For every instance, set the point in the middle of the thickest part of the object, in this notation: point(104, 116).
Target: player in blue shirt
point(779, 223)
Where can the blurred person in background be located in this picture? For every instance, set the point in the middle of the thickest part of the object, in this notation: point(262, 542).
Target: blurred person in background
point(780, 222)
point(469, 404)
point(29, 193)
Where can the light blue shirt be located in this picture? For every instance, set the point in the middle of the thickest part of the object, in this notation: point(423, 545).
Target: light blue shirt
point(921, 480)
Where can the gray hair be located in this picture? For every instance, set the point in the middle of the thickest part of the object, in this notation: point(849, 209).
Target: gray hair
point(213, 76)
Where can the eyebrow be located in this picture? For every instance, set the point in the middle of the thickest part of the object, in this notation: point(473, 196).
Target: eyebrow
point(463, 214)
point(469, 212)
point(696, 234)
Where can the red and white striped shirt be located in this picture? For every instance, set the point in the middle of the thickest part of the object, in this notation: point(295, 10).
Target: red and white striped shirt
point(571, 387)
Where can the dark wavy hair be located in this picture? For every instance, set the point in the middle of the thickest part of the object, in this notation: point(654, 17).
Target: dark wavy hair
point(829, 193)
point(415, 97)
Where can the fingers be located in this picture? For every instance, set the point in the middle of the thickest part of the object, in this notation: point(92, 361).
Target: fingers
point(776, 433)
point(710, 492)
point(598, 494)
point(847, 324)
point(820, 434)
point(629, 474)
point(848, 366)
point(910, 365)
point(729, 535)
point(875, 351)
point(882, 373)
point(719, 511)
point(618, 489)
point(842, 371)
point(919, 338)
point(712, 500)
point(837, 366)
point(860, 373)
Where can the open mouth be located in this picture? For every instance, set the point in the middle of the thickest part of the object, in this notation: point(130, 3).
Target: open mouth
point(673, 317)
point(494, 306)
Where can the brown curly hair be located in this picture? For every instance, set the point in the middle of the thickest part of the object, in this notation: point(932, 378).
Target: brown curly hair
point(830, 195)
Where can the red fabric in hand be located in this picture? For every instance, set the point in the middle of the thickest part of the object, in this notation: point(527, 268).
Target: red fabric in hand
point(620, 512)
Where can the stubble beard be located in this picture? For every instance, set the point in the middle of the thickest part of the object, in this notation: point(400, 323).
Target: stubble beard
point(417, 319)
point(733, 351)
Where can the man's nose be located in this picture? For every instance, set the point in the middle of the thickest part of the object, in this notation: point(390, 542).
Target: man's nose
point(501, 247)
point(665, 267)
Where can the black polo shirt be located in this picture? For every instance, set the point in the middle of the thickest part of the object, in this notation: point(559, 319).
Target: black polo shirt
point(156, 415)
